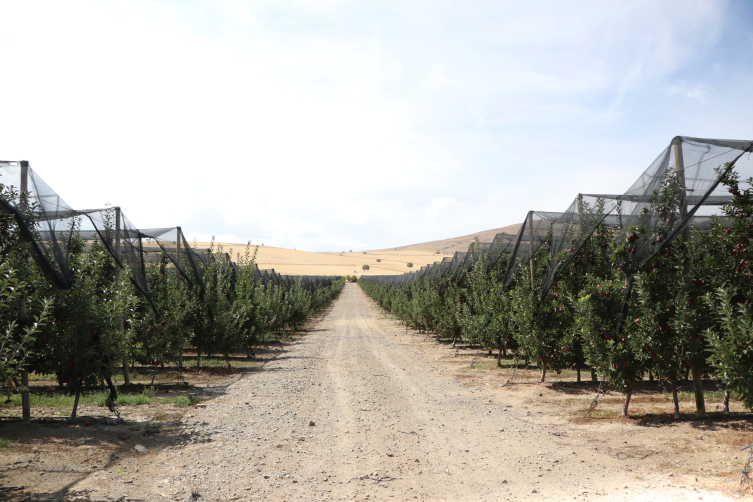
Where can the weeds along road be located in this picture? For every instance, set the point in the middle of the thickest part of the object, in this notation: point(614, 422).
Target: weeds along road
point(389, 423)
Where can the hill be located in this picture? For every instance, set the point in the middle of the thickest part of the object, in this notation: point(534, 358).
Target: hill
point(293, 262)
point(381, 262)
point(449, 246)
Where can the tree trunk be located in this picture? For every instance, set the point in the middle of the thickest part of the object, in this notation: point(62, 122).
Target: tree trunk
point(628, 395)
point(113, 396)
point(726, 401)
point(75, 402)
point(543, 371)
point(499, 358)
point(651, 376)
point(675, 400)
point(126, 373)
point(577, 368)
point(490, 352)
point(593, 375)
point(25, 401)
point(198, 357)
point(700, 403)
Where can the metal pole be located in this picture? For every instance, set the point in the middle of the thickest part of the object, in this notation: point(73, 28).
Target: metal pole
point(23, 199)
point(580, 214)
point(126, 372)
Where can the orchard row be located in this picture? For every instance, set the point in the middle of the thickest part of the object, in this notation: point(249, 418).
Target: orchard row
point(85, 333)
point(689, 308)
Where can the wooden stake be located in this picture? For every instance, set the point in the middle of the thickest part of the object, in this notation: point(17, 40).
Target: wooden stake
point(680, 171)
point(25, 398)
point(177, 256)
point(178, 242)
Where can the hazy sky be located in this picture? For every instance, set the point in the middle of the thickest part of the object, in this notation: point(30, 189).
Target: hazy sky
point(331, 125)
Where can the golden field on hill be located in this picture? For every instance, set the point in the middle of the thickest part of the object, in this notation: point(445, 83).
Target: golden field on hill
point(461, 243)
point(391, 260)
point(292, 262)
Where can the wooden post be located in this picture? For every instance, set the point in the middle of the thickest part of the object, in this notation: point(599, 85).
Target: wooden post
point(178, 242)
point(530, 244)
point(700, 402)
point(126, 372)
point(23, 200)
point(24, 183)
point(177, 256)
point(680, 171)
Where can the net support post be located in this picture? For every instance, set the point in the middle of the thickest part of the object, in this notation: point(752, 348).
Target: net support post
point(178, 241)
point(579, 204)
point(530, 245)
point(118, 224)
point(680, 174)
point(700, 401)
point(23, 199)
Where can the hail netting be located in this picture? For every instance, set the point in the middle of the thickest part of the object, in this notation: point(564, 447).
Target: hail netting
point(694, 167)
point(533, 233)
point(50, 225)
point(455, 267)
point(678, 190)
point(28, 198)
point(663, 202)
point(172, 242)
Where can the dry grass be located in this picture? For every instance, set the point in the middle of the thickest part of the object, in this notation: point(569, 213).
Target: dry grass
point(293, 262)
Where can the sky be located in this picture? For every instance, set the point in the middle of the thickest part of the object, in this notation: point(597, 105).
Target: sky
point(334, 125)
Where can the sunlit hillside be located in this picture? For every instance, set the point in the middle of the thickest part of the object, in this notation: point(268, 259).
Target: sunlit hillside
point(290, 261)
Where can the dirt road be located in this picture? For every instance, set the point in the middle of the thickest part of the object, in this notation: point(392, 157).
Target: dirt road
point(360, 410)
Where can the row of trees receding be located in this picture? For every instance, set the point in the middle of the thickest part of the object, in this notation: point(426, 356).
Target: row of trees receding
point(87, 333)
point(689, 309)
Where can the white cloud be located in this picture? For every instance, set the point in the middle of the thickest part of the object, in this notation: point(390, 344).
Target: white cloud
point(687, 90)
point(341, 124)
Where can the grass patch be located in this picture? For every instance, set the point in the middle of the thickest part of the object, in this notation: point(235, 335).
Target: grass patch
point(709, 394)
point(7, 443)
point(57, 400)
point(98, 399)
point(129, 400)
point(183, 401)
point(36, 377)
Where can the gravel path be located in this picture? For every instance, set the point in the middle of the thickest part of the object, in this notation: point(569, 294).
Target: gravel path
point(359, 410)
